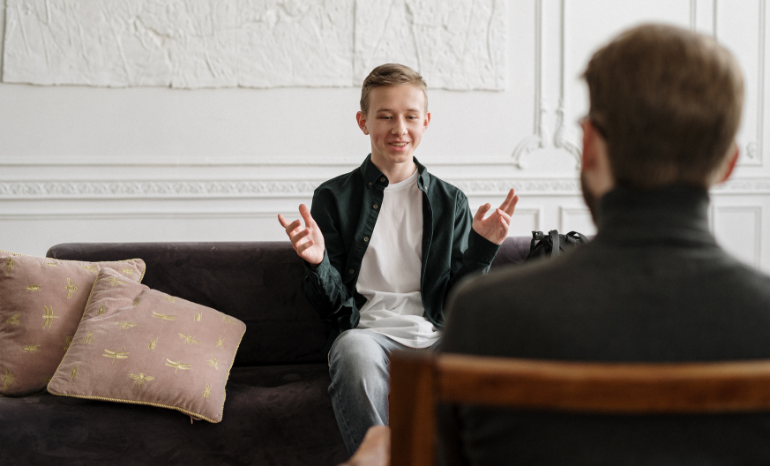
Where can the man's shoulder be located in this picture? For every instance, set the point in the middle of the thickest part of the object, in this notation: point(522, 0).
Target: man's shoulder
point(445, 196)
point(601, 300)
point(530, 277)
point(349, 180)
point(741, 278)
point(445, 188)
point(595, 266)
point(508, 306)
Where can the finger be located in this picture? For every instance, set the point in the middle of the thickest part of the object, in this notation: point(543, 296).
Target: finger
point(504, 214)
point(305, 212)
point(482, 211)
point(505, 223)
point(508, 200)
point(293, 226)
point(512, 206)
point(295, 239)
point(282, 220)
point(302, 247)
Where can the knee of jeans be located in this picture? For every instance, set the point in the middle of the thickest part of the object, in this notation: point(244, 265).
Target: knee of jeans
point(356, 351)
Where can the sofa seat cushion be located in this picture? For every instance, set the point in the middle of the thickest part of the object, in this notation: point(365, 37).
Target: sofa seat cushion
point(276, 415)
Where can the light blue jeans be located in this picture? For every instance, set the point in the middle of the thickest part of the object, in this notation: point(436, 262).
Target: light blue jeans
point(359, 368)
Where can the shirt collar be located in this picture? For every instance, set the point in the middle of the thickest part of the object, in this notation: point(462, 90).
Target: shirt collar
point(373, 176)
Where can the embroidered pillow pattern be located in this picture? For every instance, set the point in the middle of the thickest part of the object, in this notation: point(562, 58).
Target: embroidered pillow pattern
point(41, 303)
point(137, 345)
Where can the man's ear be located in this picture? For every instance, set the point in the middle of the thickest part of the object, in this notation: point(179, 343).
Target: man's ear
point(733, 160)
point(595, 168)
point(361, 120)
point(589, 156)
point(426, 122)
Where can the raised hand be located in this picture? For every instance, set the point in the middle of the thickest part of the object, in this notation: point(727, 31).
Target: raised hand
point(308, 241)
point(495, 227)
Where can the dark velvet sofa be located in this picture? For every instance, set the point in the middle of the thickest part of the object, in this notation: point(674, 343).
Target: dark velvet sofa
point(277, 410)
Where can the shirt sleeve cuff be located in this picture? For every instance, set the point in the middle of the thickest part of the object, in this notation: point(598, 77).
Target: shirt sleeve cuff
point(481, 248)
point(319, 270)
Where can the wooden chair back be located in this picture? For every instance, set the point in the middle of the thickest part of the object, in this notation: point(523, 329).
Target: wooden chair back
point(421, 380)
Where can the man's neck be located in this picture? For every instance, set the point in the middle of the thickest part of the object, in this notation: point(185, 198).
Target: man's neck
point(396, 172)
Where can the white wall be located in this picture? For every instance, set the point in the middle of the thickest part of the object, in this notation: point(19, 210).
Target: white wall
point(158, 164)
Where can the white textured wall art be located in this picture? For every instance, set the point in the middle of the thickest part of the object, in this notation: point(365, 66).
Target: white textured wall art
point(457, 44)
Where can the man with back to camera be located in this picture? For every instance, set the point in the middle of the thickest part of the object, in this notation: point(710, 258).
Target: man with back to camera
point(383, 245)
point(653, 286)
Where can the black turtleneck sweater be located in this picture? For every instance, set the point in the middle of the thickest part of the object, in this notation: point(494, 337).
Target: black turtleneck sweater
point(652, 286)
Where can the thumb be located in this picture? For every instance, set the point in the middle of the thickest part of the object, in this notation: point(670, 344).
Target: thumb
point(482, 211)
point(305, 212)
point(282, 220)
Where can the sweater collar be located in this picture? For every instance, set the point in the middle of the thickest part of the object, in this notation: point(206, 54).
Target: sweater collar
point(671, 214)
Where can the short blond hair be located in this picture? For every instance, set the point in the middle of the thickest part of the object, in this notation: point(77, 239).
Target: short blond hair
point(669, 103)
point(391, 74)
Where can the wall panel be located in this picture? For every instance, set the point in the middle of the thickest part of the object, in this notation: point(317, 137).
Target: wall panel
point(739, 230)
point(576, 219)
point(742, 29)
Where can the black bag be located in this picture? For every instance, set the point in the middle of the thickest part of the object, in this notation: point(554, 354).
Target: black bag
point(552, 244)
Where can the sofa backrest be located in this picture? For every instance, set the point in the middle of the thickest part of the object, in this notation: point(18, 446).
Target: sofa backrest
point(260, 283)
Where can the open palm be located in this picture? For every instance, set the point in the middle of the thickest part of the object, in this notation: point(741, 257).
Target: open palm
point(307, 240)
point(495, 227)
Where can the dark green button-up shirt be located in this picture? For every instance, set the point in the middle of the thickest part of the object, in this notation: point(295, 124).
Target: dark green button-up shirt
point(346, 209)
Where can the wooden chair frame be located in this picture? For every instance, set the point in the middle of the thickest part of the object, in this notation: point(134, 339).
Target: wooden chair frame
point(420, 380)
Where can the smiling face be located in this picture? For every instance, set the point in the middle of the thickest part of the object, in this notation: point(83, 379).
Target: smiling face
point(395, 122)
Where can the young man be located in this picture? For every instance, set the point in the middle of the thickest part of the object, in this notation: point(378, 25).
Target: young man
point(383, 245)
point(653, 286)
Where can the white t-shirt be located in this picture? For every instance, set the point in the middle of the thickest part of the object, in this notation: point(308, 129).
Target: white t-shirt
point(391, 270)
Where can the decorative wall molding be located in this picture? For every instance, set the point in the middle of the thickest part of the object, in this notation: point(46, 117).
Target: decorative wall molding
point(164, 161)
point(531, 187)
point(693, 15)
point(212, 189)
point(154, 189)
point(175, 189)
point(754, 155)
point(549, 28)
point(559, 141)
point(753, 148)
point(70, 216)
point(547, 33)
point(743, 186)
point(549, 68)
point(240, 161)
point(535, 140)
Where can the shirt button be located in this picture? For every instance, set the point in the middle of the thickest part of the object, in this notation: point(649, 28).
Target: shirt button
point(375, 206)
point(366, 239)
point(351, 271)
point(370, 183)
point(382, 179)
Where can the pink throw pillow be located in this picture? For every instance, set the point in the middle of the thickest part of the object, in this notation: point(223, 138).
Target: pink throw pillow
point(142, 346)
point(41, 303)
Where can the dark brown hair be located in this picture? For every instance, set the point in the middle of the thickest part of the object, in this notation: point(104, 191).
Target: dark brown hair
point(391, 74)
point(668, 101)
